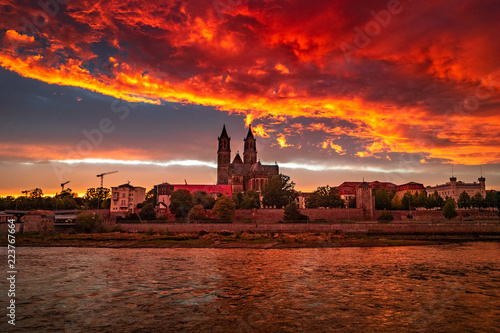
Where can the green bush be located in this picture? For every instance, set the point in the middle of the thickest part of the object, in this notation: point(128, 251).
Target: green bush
point(293, 214)
point(197, 213)
point(224, 209)
point(132, 217)
point(147, 212)
point(181, 202)
point(88, 222)
point(385, 217)
point(449, 209)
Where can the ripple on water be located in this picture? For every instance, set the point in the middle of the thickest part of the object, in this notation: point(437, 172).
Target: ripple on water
point(448, 288)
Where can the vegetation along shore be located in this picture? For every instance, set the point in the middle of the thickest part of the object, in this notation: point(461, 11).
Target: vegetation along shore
point(228, 239)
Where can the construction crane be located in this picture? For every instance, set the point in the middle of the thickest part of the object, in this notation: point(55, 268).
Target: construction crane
point(62, 185)
point(103, 174)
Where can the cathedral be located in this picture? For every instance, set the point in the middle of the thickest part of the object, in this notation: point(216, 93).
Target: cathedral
point(243, 175)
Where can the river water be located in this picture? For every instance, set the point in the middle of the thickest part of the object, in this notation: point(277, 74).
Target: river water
point(446, 288)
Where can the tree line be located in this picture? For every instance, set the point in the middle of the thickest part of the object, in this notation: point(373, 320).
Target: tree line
point(94, 198)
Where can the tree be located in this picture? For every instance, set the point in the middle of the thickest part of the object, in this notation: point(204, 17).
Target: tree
point(314, 200)
point(7, 202)
point(181, 203)
point(438, 200)
point(238, 199)
point(96, 198)
point(478, 201)
point(449, 209)
point(352, 202)
point(407, 201)
point(498, 202)
point(36, 193)
point(293, 214)
point(324, 196)
point(396, 203)
point(251, 199)
point(197, 213)
point(383, 198)
point(224, 209)
point(491, 199)
point(150, 197)
point(202, 198)
point(464, 200)
point(147, 212)
point(88, 222)
point(421, 199)
point(66, 193)
point(278, 191)
point(65, 199)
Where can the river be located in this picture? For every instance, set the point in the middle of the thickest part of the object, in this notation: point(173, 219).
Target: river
point(445, 288)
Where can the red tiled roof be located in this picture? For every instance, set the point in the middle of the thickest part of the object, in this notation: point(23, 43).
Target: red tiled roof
point(222, 189)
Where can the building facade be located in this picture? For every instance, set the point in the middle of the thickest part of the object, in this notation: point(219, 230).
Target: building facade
point(242, 174)
point(347, 190)
point(412, 187)
point(125, 198)
point(453, 189)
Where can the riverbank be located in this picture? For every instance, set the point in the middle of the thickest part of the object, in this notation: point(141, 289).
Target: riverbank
point(237, 240)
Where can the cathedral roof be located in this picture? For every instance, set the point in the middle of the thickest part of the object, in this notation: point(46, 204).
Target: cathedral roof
point(237, 159)
point(257, 167)
point(250, 134)
point(224, 133)
point(248, 169)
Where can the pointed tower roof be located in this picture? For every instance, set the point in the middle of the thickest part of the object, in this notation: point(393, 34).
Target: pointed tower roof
point(237, 159)
point(224, 133)
point(250, 134)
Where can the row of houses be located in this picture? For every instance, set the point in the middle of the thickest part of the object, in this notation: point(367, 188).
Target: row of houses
point(125, 198)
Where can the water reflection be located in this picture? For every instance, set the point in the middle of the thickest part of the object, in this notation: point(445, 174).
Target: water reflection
point(416, 289)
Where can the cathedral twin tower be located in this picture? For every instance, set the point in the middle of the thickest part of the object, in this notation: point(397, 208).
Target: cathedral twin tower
point(246, 174)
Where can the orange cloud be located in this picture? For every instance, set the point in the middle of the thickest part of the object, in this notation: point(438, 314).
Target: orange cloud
point(282, 141)
point(34, 152)
point(260, 130)
point(271, 64)
point(14, 37)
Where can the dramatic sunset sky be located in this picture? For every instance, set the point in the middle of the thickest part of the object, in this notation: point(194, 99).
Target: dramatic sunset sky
point(335, 90)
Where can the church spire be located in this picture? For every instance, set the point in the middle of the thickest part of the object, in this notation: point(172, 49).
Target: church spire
point(249, 134)
point(224, 133)
point(223, 157)
point(250, 152)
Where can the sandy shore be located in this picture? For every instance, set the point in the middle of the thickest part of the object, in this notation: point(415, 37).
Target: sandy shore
point(236, 240)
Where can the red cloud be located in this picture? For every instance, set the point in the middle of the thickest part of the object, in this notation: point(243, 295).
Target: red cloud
point(424, 80)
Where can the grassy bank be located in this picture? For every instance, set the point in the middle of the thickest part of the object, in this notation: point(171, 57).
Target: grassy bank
point(233, 240)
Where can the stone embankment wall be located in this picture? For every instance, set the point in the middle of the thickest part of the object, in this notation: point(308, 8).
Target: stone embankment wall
point(348, 228)
point(355, 214)
point(342, 214)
